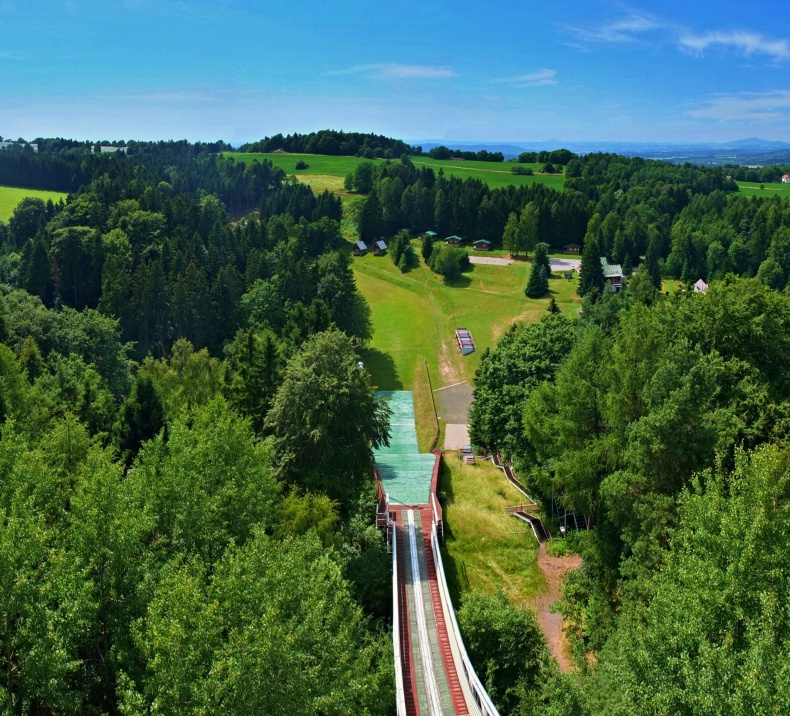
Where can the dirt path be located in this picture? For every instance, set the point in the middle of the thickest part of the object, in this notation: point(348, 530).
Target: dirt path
point(554, 569)
point(493, 260)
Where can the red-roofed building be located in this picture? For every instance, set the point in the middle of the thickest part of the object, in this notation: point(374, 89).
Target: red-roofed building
point(786, 179)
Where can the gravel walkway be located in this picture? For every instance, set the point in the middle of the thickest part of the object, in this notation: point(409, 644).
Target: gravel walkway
point(490, 260)
point(565, 264)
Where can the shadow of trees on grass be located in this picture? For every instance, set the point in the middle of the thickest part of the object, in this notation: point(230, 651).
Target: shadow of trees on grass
point(381, 366)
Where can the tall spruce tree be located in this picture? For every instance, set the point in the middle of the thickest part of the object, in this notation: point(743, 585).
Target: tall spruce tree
point(538, 284)
point(591, 274)
point(651, 262)
point(541, 258)
point(4, 335)
point(141, 418)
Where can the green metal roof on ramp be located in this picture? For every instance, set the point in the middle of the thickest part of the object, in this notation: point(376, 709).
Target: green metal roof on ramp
point(405, 472)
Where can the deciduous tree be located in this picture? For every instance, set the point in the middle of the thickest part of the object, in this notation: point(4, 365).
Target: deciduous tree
point(325, 420)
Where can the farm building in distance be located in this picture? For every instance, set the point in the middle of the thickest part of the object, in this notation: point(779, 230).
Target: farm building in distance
point(465, 341)
point(4, 145)
point(454, 241)
point(359, 248)
point(571, 248)
point(379, 248)
point(612, 274)
point(786, 179)
point(481, 245)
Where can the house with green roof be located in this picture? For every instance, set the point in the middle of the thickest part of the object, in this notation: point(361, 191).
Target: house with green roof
point(612, 274)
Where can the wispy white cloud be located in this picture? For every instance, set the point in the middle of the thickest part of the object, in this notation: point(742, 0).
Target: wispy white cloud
point(629, 28)
point(640, 27)
point(531, 79)
point(748, 43)
point(395, 71)
point(746, 106)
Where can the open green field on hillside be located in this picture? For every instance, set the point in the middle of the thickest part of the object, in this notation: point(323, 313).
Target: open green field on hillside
point(495, 174)
point(415, 315)
point(768, 190)
point(317, 163)
point(485, 549)
point(11, 196)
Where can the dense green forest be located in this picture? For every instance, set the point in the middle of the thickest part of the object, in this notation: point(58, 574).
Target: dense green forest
point(334, 143)
point(174, 536)
point(687, 222)
point(186, 517)
point(666, 425)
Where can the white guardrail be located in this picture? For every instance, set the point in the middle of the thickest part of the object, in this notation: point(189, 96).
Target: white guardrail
point(400, 694)
point(470, 682)
point(436, 520)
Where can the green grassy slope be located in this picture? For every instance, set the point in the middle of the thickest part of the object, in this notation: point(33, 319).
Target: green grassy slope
point(495, 174)
point(415, 316)
point(484, 548)
point(11, 196)
point(752, 189)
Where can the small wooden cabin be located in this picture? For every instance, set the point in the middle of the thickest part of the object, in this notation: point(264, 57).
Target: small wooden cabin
point(379, 248)
point(481, 245)
point(572, 248)
point(454, 241)
point(359, 248)
point(613, 275)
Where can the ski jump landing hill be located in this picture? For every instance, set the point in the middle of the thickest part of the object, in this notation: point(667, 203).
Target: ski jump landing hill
point(432, 669)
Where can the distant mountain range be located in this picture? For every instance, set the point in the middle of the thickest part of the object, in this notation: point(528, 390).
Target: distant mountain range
point(750, 151)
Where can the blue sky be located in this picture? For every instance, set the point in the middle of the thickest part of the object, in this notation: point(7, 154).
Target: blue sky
point(487, 71)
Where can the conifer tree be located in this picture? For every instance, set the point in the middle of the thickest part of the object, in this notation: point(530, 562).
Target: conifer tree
point(3, 322)
point(30, 359)
point(538, 284)
point(253, 383)
point(591, 273)
point(541, 258)
point(427, 248)
point(142, 417)
point(651, 262)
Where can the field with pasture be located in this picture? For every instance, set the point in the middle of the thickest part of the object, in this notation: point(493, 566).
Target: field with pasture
point(415, 315)
point(764, 190)
point(11, 196)
point(495, 174)
point(323, 172)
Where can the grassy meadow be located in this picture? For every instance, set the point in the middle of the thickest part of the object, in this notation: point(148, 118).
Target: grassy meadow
point(415, 316)
point(323, 172)
point(11, 196)
point(771, 189)
point(495, 174)
point(485, 549)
